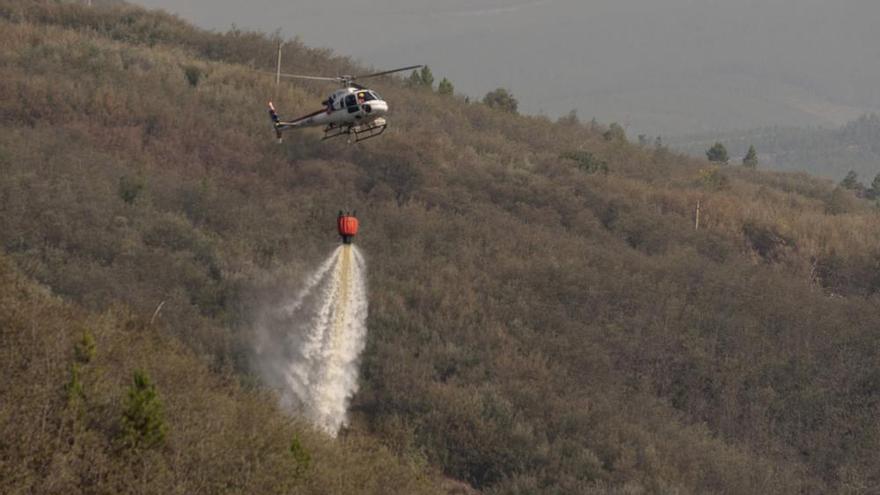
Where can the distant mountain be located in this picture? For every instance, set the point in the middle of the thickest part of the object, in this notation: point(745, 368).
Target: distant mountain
point(828, 153)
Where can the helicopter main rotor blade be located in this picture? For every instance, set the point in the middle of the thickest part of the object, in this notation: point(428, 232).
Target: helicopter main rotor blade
point(314, 78)
point(377, 74)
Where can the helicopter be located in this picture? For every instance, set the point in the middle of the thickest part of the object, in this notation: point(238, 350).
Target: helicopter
point(352, 110)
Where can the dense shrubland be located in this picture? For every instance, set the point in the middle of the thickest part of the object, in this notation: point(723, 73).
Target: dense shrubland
point(74, 420)
point(545, 318)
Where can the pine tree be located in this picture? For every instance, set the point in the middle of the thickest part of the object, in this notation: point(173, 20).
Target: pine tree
point(717, 153)
point(874, 191)
point(751, 158)
point(143, 424)
point(415, 79)
point(84, 350)
point(445, 88)
point(421, 79)
point(571, 119)
point(427, 77)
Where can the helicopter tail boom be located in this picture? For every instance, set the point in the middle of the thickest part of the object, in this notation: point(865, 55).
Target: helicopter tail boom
point(304, 121)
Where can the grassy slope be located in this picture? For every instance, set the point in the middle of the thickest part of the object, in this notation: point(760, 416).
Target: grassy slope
point(533, 327)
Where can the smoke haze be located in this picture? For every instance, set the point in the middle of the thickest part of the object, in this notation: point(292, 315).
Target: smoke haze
point(656, 66)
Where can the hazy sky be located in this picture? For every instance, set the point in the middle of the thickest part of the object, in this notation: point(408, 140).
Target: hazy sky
point(657, 66)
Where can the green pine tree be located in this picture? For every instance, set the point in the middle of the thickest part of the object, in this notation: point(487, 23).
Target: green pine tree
point(445, 87)
point(84, 350)
point(427, 78)
point(717, 153)
point(874, 191)
point(143, 424)
point(415, 79)
point(569, 120)
point(751, 158)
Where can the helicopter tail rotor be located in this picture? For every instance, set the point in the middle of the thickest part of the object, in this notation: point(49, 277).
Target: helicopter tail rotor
point(276, 124)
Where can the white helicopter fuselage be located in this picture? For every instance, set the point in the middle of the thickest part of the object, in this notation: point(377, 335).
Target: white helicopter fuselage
point(345, 107)
point(353, 110)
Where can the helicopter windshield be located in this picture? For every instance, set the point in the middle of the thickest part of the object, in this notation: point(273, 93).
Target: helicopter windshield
point(375, 95)
point(365, 96)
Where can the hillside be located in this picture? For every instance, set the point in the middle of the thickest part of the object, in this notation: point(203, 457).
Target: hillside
point(62, 406)
point(536, 325)
point(824, 152)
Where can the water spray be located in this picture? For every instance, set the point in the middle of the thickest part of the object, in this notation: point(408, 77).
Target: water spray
point(308, 347)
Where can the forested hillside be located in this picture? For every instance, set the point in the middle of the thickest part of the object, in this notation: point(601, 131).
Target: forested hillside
point(823, 152)
point(67, 414)
point(544, 315)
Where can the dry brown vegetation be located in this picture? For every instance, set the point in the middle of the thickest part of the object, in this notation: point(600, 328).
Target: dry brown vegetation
point(219, 437)
point(537, 324)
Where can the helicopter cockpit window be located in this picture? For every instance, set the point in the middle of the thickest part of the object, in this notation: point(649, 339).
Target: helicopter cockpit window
point(375, 95)
point(350, 101)
point(365, 96)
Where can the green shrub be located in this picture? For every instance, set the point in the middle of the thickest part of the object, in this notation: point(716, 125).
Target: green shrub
point(501, 99)
point(130, 188)
point(193, 75)
point(143, 423)
point(586, 161)
point(300, 455)
point(84, 350)
point(74, 386)
point(615, 132)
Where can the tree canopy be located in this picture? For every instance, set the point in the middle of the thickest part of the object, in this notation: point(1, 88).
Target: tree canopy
point(501, 99)
point(751, 158)
point(423, 78)
point(445, 87)
point(717, 153)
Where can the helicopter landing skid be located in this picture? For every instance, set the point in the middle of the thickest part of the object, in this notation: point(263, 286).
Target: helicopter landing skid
point(368, 132)
point(361, 132)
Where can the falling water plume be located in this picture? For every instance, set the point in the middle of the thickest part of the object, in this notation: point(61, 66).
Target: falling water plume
point(308, 348)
